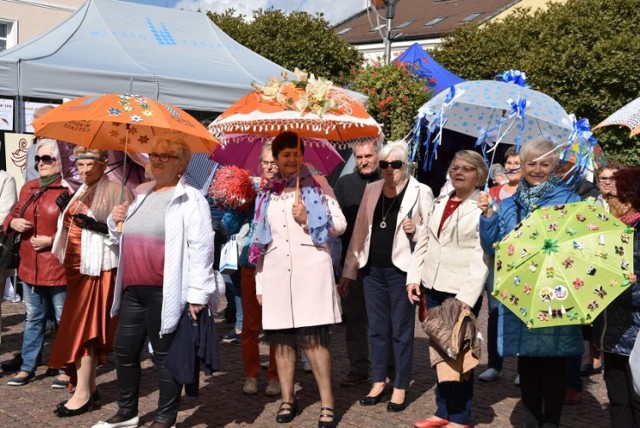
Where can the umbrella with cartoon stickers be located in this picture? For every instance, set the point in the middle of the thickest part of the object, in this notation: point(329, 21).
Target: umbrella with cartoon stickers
point(563, 264)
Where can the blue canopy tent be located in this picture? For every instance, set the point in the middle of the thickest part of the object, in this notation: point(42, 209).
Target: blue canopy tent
point(423, 65)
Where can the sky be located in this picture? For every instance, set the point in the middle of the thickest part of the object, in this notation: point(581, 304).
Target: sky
point(334, 11)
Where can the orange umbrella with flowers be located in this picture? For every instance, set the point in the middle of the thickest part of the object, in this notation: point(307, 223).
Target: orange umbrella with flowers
point(309, 106)
point(122, 122)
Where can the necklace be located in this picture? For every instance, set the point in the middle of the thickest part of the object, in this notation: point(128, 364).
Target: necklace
point(383, 223)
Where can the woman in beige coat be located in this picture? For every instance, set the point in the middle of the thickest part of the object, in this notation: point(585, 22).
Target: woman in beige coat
point(294, 275)
point(448, 262)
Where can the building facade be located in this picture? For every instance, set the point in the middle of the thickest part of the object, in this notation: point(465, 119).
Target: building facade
point(23, 20)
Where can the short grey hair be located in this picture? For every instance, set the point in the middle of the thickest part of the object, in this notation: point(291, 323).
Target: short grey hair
point(49, 142)
point(398, 148)
point(375, 142)
point(179, 145)
point(540, 147)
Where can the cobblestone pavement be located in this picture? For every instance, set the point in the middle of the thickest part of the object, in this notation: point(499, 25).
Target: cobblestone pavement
point(222, 403)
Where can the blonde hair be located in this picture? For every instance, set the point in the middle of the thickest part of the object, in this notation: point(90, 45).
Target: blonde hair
point(475, 159)
point(177, 144)
point(540, 147)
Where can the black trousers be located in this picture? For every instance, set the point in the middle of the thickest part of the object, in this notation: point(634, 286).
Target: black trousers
point(624, 403)
point(543, 383)
point(140, 313)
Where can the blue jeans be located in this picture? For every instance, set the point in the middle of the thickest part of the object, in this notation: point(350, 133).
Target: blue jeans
point(38, 299)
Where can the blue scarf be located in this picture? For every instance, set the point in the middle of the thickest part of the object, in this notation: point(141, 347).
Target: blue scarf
point(530, 195)
point(318, 214)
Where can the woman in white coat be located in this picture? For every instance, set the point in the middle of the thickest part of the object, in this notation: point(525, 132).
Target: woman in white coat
point(165, 266)
point(391, 211)
point(294, 273)
point(449, 263)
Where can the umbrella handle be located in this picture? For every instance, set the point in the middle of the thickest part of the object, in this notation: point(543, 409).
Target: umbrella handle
point(124, 170)
point(298, 165)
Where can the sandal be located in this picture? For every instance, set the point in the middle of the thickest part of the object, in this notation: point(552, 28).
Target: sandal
point(327, 424)
point(286, 414)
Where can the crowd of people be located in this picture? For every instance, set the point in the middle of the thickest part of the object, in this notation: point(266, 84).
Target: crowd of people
point(115, 269)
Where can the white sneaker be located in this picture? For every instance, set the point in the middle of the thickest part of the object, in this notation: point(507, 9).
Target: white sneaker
point(129, 423)
point(489, 375)
point(516, 381)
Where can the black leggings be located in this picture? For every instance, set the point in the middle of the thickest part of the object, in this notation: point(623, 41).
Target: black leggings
point(140, 316)
point(543, 383)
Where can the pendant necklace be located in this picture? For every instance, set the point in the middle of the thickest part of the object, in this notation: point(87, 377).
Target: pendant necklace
point(383, 223)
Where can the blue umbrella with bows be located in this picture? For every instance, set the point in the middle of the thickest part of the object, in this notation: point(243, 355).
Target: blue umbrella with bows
point(505, 111)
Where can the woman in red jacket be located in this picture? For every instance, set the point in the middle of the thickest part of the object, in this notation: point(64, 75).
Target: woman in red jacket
point(35, 218)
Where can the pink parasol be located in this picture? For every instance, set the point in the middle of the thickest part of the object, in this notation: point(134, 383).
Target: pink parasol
point(243, 151)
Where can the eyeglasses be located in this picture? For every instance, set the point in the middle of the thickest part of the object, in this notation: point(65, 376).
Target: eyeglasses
point(46, 159)
point(606, 179)
point(266, 164)
point(396, 164)
point(162, 157)
point(465, 169)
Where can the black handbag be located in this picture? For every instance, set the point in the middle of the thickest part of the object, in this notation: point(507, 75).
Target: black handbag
point(10, 244)
point(9, 250)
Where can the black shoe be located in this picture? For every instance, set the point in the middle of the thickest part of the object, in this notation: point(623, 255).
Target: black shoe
point(327, 424)
point(65, 412)
point(94, 397)
point(52, 372)
point(22, 380)
point(396, 407)
point(588, 370)
point(286, 414)
point(231, 337)
point(372, 401)
point(13, 365)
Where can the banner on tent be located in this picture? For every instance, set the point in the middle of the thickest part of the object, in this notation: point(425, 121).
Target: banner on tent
point(6, 114)
point(15, 152)
point(29, 108)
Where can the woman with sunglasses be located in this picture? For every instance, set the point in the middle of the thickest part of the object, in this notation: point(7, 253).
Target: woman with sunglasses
point(35, 218)
point(89, 257)
point(449, 263)
point(165, 266)
point(391, 212)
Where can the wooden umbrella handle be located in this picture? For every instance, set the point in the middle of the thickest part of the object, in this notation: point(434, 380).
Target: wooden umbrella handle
point(298, 165)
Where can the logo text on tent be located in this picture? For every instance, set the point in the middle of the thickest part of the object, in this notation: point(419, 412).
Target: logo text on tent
point(162, 35)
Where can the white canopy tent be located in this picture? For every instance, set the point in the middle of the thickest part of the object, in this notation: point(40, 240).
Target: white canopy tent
point(111, 46)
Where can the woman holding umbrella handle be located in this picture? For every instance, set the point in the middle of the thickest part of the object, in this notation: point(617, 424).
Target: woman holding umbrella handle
point(290, 241)
point(165, 265)
point(541, 352)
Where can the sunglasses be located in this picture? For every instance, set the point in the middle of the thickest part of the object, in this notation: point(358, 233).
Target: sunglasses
point(396, 164)
point(162, 157)
point(46, 159)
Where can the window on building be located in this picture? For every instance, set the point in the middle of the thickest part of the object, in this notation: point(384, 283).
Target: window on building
point(435, 21)
point(379, 27)
point(471, 17)
point(344, 31)
point(7, 35)
point(404, 24)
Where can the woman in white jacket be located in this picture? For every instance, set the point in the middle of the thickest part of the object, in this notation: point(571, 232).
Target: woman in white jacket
point(166, 263)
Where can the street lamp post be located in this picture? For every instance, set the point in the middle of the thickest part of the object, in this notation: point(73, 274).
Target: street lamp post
point(391, 13)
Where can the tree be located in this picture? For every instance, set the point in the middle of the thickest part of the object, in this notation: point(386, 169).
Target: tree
point(581, 52)
point(297, 39)
point(395, 95)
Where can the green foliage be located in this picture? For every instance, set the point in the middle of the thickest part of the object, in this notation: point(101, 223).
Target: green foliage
point(297, 39)
point(582, 53)
point(395, 95)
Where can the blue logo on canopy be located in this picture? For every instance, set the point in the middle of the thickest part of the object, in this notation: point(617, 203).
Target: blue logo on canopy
point(162, 36)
